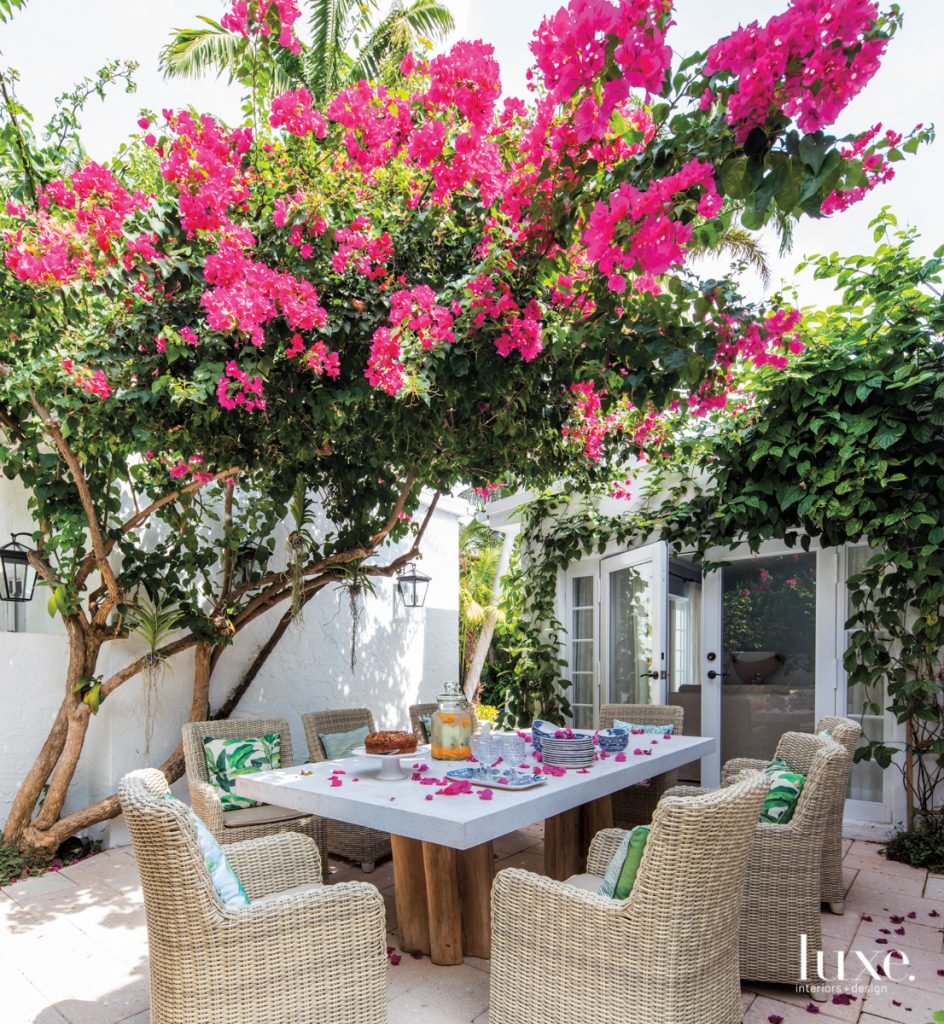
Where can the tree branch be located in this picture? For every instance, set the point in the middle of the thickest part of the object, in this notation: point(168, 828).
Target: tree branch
point(85, 497)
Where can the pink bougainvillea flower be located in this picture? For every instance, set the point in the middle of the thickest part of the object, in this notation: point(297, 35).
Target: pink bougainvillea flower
point(429, 796)
point(486, 794)
point(843, 999)
point(395, 958)
point(775, 1018)
point(620, 757)
point(335, 781)
point(812, 1008)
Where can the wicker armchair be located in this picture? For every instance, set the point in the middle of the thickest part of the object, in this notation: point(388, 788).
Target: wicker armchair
point(253, 822)
point(635, 805)
point(845, 732)
point(300, 953)
point(416, 719)
point(667, 954)
point(782, 893)
point(355, 842)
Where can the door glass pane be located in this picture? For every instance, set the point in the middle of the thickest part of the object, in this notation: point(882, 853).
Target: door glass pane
point(769, 643)
point(684, 689)
point(582, 643)
point(866, 780)
point(630, 640)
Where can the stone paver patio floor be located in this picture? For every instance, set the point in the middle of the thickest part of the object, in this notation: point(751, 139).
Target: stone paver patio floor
point(73, 947)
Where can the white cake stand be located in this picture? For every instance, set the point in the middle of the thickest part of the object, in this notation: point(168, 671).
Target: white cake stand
point(389, 767)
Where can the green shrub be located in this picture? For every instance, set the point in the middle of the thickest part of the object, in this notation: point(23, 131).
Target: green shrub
point(922, 847)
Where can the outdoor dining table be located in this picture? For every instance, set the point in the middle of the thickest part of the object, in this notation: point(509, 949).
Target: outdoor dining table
point(443, 861)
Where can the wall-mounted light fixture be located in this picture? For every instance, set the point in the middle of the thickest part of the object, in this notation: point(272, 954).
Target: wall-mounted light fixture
point(412, 585)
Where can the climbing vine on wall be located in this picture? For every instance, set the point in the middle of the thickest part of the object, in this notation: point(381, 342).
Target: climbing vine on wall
point(847, 448)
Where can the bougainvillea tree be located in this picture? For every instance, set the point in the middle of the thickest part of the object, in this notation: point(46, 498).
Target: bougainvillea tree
point(426, 285)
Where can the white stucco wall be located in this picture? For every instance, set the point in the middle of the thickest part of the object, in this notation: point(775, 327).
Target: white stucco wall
point(403, 657)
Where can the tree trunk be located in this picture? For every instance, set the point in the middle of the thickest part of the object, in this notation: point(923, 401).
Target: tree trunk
point(483, 641)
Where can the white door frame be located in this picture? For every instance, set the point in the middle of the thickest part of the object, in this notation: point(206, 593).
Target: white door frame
point(656, 553)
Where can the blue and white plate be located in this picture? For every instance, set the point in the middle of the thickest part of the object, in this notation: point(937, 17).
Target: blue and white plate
point(497, 778)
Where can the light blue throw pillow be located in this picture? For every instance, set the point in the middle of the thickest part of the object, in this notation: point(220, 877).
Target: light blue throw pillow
point(608, 885)
point(651, 730)
point(228, 887)
point(340, 744)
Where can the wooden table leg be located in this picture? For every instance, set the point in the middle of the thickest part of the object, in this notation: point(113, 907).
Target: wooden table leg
point(409, 879)
point(562, 845)
point(594, 816)
point(445, 908)
point(476, 872)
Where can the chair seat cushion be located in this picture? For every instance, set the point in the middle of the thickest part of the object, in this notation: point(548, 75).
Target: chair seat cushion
point(229, 758)
point(260, 814)
point(785, 789)
point(589, 883)
point(340, 744)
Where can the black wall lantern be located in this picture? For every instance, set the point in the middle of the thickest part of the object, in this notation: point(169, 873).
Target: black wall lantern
point(19, 577)
point(413, 585)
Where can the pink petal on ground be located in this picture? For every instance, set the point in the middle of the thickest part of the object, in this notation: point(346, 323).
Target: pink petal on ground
point(486, 794)
point(429, 796)
point(884, 931)
point(390, 949)
point(335, 781)
point(355, 779)
point(812, 1008)
point(637, 752)
point(416, 955)
point(899, 931)
point(933, 913)
point(395, 959)
point(775, 1018)
point(843, 999)
point(912, 915)
point(882, 942)
point(866, 917)
point(896, 919)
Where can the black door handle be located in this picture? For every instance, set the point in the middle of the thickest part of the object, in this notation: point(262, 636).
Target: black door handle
point(714, 675)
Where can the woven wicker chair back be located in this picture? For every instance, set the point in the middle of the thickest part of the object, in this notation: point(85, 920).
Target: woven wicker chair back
point(323, 723)
point(825, 764)
point(643, 714)
point(178, 894)
point(693, 870)
point(845, 731)
point(230, 728)
point(416, 719)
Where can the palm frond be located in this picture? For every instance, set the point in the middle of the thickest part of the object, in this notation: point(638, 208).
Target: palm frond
point(738, 244)
point(195, 52)
point(328, 23)
point(9, 7)
point(400, 31)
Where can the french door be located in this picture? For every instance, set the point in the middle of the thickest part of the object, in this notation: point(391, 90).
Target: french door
point(634, 599)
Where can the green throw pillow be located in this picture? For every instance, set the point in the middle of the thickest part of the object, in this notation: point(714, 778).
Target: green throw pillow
point(227, 759)
point(627, 878)
point(228, 887)
point(622, 870)
point(653, 730)
point(785, 789)
point(340, 744)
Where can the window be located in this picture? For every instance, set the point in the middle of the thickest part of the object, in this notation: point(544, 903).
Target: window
point(582, 648)
point(866, 781)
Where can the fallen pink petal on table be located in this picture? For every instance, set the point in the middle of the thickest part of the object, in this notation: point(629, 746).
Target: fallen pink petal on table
point(486, 794)
point(620, 757)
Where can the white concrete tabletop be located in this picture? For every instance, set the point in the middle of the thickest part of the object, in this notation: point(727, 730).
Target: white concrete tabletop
point(465, 820)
